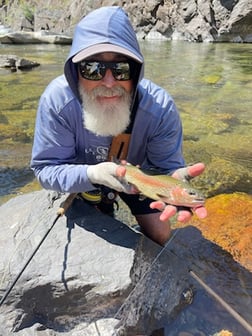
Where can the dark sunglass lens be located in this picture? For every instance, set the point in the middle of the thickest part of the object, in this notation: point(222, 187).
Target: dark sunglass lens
point(90, 70)
point(95, 71)
point(121, 71)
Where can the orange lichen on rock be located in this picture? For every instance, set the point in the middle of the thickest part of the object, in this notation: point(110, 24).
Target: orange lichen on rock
point(223, 333)
point(228, 224)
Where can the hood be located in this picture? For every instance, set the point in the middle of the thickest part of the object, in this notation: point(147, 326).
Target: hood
point(103, 26)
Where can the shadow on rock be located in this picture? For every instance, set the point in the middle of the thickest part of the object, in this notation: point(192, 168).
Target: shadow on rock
point(91, 219)
point(167, 300)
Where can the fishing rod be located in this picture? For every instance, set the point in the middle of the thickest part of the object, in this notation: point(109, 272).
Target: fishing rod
point(223, 303)
point(64, 206)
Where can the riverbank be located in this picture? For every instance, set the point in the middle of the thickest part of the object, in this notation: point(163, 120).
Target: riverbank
point(22, 37)
point(204, 21)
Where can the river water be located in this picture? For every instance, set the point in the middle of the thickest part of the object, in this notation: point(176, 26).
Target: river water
point(211, 84)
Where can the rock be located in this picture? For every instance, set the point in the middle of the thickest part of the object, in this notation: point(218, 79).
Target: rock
point(8, 61)
point(24, 37)
point(156, 298)
point(203, 315)
point(80, 275)
point(239, 26)
point(76, 275)
point(95, 275)
point(198, 21)
point(217, 269)
point(14, 62)
point(223, 333)
point(23, 63)
point(27, 25)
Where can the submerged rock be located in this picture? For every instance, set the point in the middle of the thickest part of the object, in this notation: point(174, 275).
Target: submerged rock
point(229, 224)
point(225, 172)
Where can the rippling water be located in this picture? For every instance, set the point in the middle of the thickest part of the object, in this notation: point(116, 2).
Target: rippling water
point(211, 84)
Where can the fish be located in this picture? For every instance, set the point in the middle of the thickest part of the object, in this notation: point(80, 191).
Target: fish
point(163, 188)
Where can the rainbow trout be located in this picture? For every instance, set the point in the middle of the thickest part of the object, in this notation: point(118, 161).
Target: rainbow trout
point(163, 188)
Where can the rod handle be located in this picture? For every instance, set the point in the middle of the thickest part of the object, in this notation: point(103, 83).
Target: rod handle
point(64, 206)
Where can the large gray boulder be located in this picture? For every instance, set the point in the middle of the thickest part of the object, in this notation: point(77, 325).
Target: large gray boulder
point(40, 37)
point(79, 275)
point(78, 280)
point(94, 275)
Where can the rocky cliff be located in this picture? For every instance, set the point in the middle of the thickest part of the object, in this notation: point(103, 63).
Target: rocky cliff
point(191, 20)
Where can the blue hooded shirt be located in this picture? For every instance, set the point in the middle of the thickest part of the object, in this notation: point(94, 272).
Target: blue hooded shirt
point(63, 148)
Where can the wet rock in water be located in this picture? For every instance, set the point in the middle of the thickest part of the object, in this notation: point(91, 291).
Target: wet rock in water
point(212, 78)
point(229, 224)
point(204, 125)
point(14, 62)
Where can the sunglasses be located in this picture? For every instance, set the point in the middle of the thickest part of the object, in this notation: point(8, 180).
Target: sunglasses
point(95, 71)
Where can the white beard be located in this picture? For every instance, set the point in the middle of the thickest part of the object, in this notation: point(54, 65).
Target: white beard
point(105, 119)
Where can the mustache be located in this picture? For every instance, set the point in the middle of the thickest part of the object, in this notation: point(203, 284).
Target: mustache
point(107, 92)
point(108, 118)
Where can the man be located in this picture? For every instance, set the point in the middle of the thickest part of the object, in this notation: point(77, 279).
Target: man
point(101, 95)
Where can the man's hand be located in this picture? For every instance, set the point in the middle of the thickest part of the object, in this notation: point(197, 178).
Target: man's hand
point(168, 211)
point(107, 174)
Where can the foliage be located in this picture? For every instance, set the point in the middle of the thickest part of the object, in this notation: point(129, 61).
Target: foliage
point(28, 11)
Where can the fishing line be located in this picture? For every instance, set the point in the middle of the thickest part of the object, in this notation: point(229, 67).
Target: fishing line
point(97, 329)
point(28, 261)
point(63, 208)
point(144, 275)
point(224, 304)
point(210, 291)
point(7, 268)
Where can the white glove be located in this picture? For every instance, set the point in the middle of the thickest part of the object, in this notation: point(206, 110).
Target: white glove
point(105, 173)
